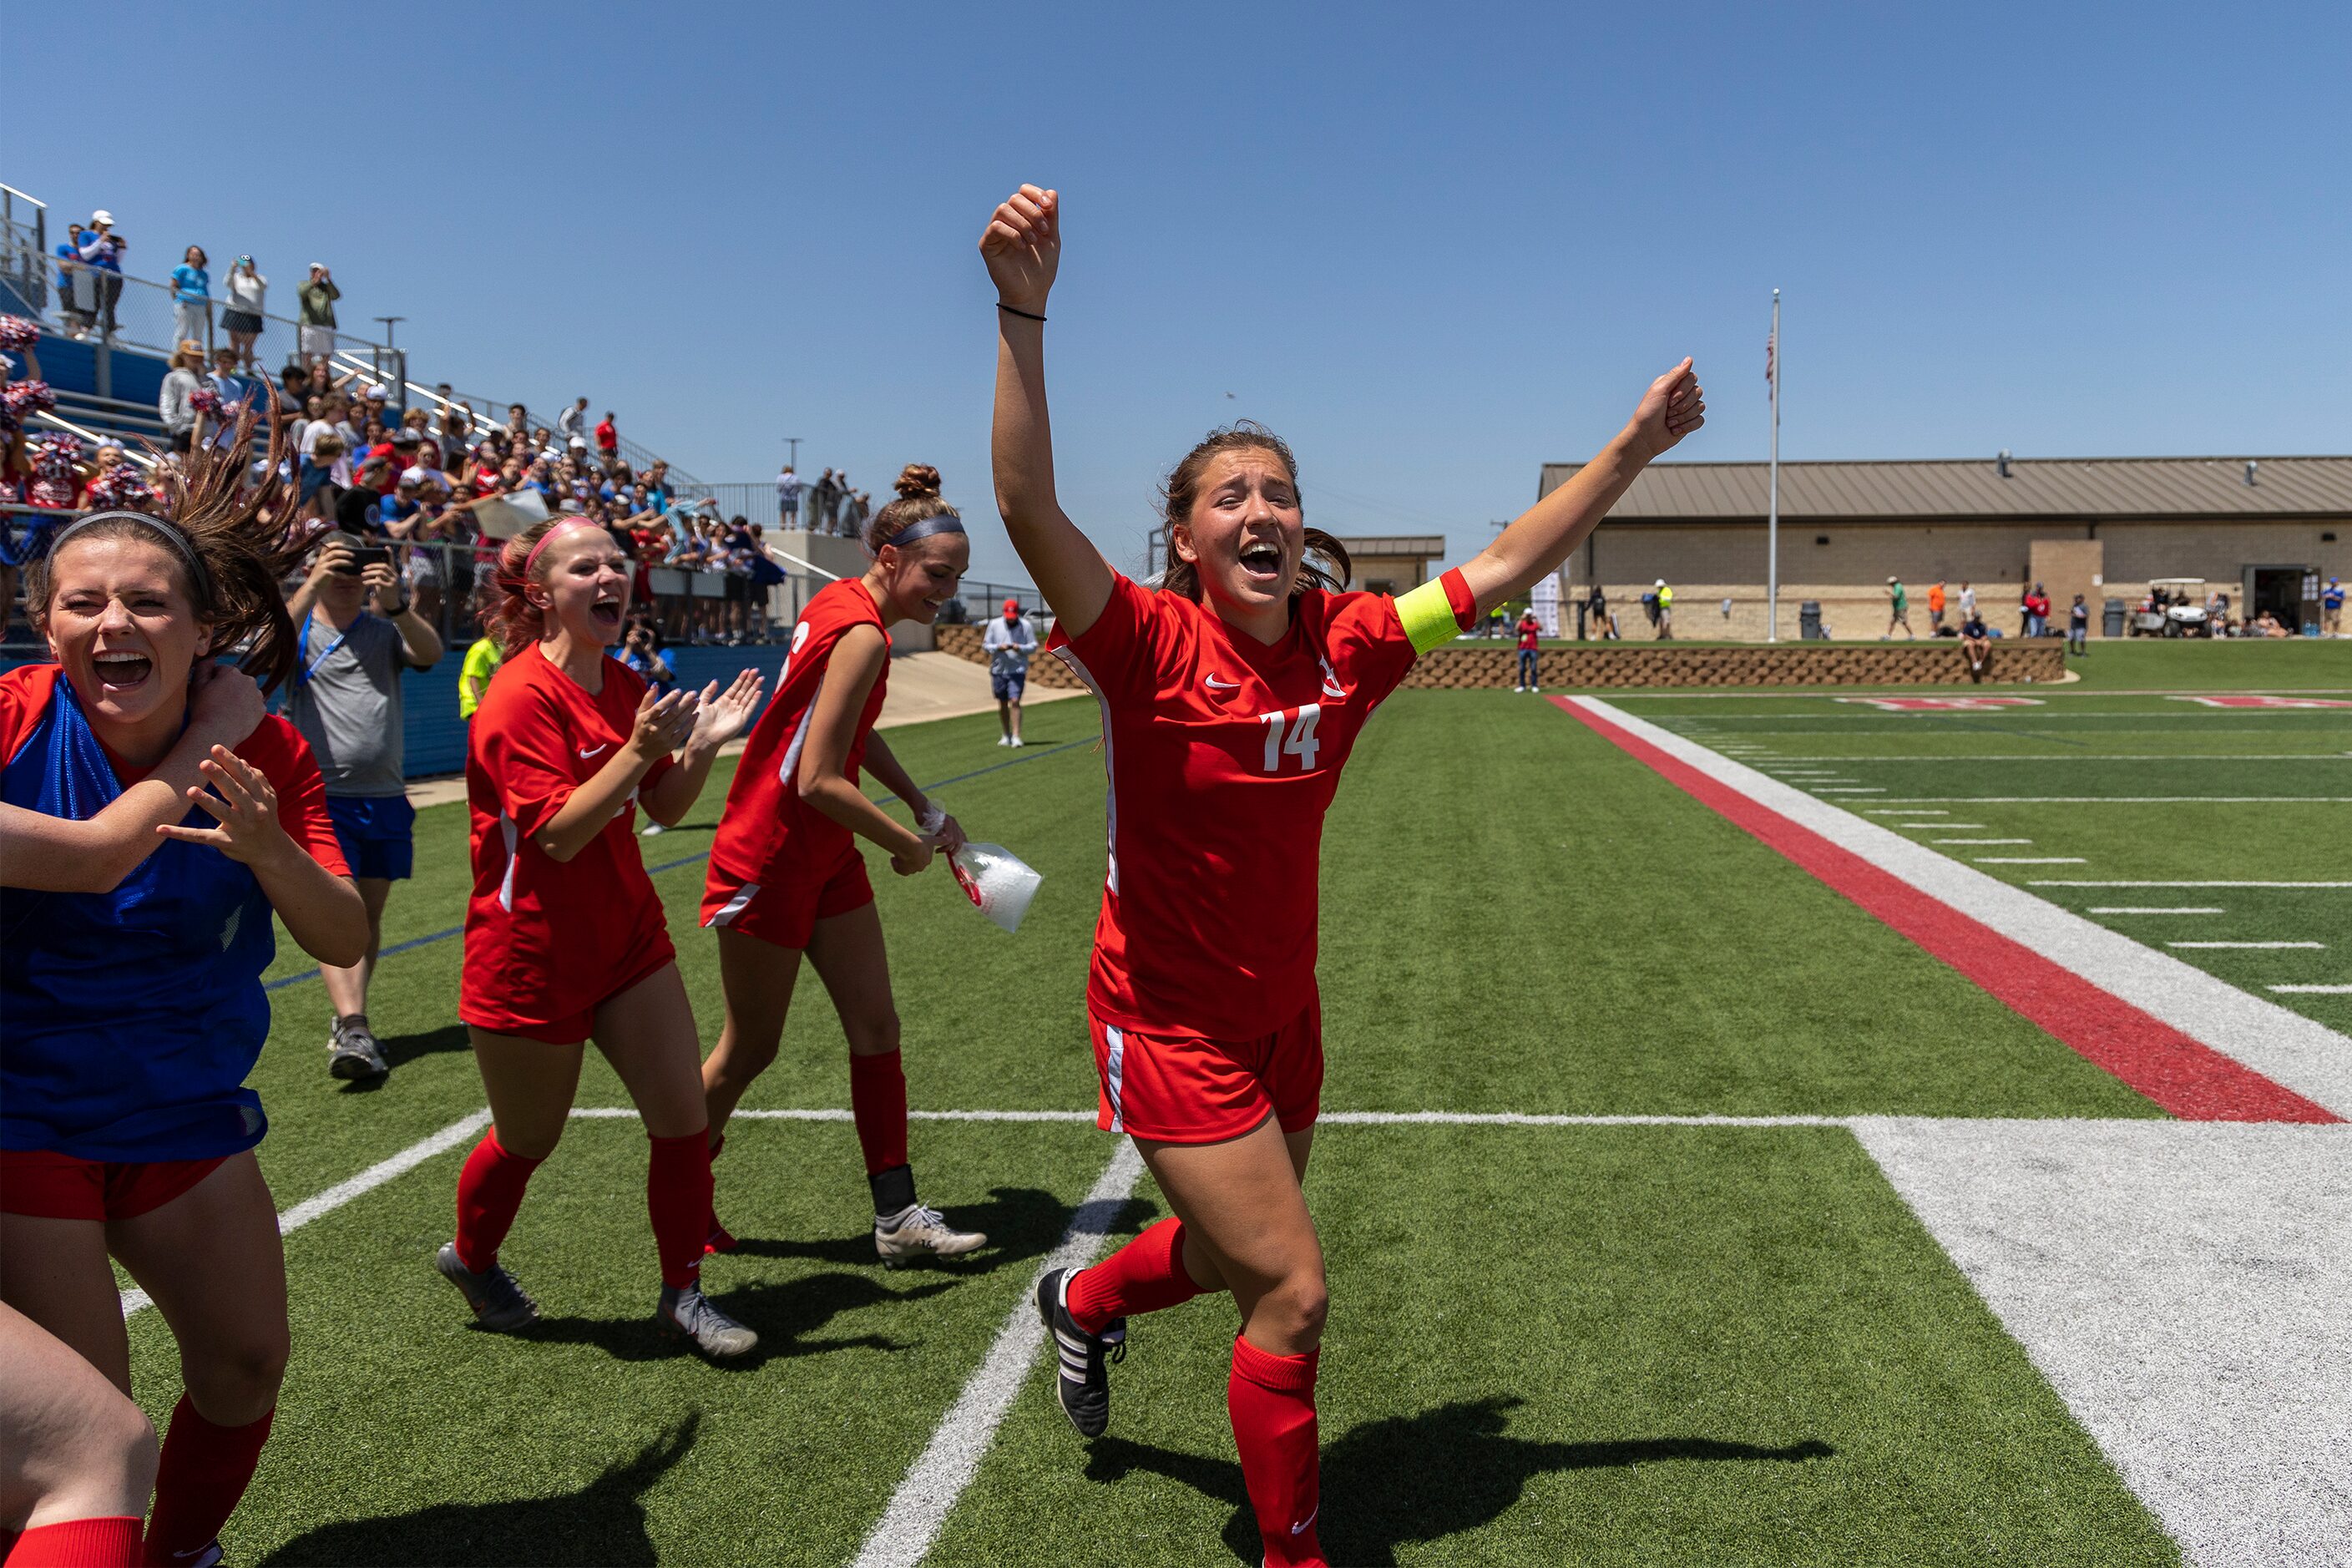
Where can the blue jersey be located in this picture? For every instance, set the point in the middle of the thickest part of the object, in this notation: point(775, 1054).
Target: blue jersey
point(129, 1019)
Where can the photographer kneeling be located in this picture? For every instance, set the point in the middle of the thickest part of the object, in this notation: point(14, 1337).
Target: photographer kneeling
point(356, 631)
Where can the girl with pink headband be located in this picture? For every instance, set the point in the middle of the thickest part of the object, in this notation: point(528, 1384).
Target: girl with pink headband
point(565, 940)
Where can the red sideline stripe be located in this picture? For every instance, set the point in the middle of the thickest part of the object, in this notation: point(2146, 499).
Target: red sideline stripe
point(2185, 1076)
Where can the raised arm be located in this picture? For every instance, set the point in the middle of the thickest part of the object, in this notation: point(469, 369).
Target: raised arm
point(1545, 534)
point(1022, 248)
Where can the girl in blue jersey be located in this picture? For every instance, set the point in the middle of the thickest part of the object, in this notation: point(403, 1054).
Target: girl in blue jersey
point(131, 1013)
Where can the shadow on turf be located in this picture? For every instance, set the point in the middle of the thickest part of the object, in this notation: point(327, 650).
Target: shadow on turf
point(1420, 1478)
point(782, 1313)
point(402, 1049)
point(603, 1522)
point(1022, 1222)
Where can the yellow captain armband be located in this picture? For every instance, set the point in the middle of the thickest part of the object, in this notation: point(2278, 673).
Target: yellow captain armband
point(1428, 616)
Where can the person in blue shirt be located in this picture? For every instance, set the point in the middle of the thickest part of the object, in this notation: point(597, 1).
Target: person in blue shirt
point(2331, 607)
point(79, 318)
point(102, 250)
point(131, 1013)
point(192, 298)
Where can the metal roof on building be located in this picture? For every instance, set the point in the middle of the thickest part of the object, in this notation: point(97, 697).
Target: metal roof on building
point(1973, 490)
point(1393, 545)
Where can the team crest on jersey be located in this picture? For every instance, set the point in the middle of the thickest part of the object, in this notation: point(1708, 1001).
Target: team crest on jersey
point(1331, 687)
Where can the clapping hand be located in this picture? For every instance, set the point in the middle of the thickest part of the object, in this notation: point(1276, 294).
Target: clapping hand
point(1022, 247)
point(727, 714)
point(1673, 407)
point(663, 723)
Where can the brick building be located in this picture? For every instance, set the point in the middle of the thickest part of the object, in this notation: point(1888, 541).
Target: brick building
point(2100, 527)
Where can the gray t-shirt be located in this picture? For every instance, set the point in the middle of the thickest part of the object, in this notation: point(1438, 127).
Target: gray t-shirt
point(1008, 646)
point(346, 698)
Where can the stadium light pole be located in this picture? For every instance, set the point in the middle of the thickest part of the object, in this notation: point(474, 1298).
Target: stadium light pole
point(1772, 505)
point(795, 443)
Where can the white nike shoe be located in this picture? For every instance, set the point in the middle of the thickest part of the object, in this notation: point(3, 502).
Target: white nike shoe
point(918, 1232)
point(1004, 739)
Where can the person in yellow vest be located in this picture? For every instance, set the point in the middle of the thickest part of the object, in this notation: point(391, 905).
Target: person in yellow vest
point(1665, 611)
point(482, 661)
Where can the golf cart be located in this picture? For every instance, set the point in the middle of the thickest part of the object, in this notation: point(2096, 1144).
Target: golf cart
point(2175, 607)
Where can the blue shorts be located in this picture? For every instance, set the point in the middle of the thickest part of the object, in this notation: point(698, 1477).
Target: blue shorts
point(1008, 687)
point(376, 832)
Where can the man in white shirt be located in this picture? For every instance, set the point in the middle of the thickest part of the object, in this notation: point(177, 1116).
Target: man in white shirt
point(571, 424)
point(1968, 603)
point(1009, 642)
point(788, 497)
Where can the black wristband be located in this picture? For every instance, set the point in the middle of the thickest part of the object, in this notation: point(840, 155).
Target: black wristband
point(1024, 315)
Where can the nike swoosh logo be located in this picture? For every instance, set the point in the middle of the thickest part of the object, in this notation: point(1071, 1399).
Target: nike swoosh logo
point(1300, 1528)
point(1213, 683)
point(588, 752)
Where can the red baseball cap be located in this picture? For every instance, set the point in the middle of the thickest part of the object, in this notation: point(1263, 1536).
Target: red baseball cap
point(1012, 606)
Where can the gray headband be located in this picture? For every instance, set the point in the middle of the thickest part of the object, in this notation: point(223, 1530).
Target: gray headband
point(946, 522)
point(198, 577)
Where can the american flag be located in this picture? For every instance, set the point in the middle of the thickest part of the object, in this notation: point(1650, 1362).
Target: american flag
point(1771, 349)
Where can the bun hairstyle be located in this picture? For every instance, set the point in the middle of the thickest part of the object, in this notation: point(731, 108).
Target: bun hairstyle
point(518, 622)
point(232, 530)
point(1330, 572)
point(918, 485)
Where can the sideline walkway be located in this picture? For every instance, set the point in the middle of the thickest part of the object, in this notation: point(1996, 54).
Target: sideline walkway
point(923, 687)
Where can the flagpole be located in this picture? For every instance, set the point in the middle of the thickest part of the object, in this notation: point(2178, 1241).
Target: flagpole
point(1772, 515)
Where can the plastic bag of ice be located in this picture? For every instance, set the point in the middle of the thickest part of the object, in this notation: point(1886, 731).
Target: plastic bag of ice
point(999, 882)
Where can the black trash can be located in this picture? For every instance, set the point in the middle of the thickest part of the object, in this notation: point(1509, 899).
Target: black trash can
point(2113, 619)
point(1809, 621)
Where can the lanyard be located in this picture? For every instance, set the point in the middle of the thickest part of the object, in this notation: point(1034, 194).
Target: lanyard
point(302, 646)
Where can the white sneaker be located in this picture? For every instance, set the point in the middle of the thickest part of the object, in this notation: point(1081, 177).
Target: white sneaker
point(1017, 740)
point(651, 830)
point(918, 1232)
point(1004, 739)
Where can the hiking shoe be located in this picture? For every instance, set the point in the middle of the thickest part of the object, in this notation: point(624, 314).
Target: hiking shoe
point(686, 1313)
point(1080, 1382)
point(918, 1232)
point(500, 1304)
point(352, 1051)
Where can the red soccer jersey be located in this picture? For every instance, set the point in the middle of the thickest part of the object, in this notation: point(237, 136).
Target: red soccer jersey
point(768, 834)
point(1223, 754)
point(276, 749)
point(1528, 632)
point(546, 938)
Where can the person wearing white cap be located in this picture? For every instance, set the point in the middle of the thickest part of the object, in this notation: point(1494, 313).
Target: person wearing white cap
point(1666, 597)
point(102, 248)
point(319, 296)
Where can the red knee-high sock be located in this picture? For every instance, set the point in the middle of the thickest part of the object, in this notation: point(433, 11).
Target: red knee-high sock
point(1144, 1276)
point(877, 1099)
point(1271, 1400)
point(490, 1191)
point(110, 1543)
point(203, 1471)
point(677, 1196)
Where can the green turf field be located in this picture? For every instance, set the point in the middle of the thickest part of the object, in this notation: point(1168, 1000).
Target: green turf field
point(1548, 1343)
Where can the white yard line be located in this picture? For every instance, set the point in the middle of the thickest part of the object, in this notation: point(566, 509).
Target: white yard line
point(366, 1182)
point(1974, 757)
point(920, 1507)
point(1980, 843)
point(2046, 883)
point(2299, 1053)
point(2030, 860)
point(2247, 944)
point(2182, 1286)
point(2137, 799)
point(2155, 910)
point(2312, 990)
point(1900, 811)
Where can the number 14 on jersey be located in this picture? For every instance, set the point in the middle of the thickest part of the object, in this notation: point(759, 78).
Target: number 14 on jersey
point(1291, 734)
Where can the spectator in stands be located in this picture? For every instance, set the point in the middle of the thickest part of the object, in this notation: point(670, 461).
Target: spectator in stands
point(1975, 644)
point(232, 387)
point(319, 296)
point(608, 438)
point(322, 450)
point(77, 286)
point(2267, 624)
point(456, 433)
point(191, 297)
point(657, 493)
point(1530, 632)
point(2078, 626)
point(573, 423)
point(787, 497)
point(1008, 642)
point(241, 317)
point(172, 404)
point(101, 251)
point(357, 633)
point(1936, 609)
point(827, 495)
point(856, 509)
point(1898, 600)
point(1666, 597)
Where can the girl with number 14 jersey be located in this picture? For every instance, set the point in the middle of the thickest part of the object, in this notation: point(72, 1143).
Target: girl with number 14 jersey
point(1231, 697)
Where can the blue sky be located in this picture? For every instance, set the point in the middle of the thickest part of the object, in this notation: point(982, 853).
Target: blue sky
point(1433, 246)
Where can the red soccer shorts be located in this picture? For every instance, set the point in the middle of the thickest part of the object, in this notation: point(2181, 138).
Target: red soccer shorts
point(1183, 1089)
point(573, 1027)
point(784, 913)
point(45, 1185)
